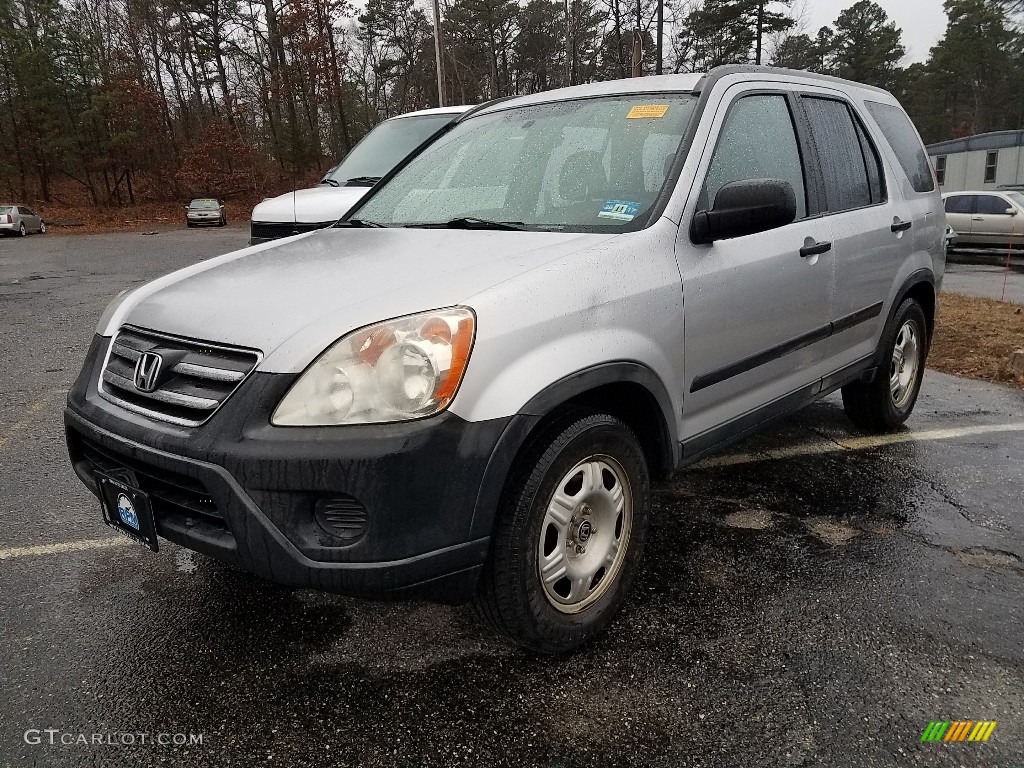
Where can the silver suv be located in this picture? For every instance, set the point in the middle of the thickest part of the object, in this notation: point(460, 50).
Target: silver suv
point(464, 390)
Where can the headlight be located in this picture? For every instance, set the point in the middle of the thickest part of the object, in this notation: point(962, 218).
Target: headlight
point(394, 371)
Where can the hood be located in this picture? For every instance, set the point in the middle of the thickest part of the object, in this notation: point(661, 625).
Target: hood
point(292, 298)
point(313, 206)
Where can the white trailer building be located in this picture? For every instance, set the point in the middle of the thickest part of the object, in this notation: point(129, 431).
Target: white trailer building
point(986, 161)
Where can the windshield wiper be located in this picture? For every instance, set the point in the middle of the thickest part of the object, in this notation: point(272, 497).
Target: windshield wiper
point(357, 223)
point(330, 182)
point(362, 181)
point(471, 222)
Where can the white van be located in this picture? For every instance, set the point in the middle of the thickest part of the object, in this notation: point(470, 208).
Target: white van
point(343, 186)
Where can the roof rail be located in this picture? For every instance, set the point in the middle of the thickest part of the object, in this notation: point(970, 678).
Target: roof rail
point(712, 77)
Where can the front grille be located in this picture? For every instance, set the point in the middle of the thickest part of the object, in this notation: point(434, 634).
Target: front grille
point(169, 492)
point(196, 377)
point(273, 231)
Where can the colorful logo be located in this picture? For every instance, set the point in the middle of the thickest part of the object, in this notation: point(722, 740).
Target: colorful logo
point(958, 730)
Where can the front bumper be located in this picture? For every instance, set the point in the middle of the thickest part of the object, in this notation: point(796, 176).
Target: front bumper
point(418, 498)
point(203, 220)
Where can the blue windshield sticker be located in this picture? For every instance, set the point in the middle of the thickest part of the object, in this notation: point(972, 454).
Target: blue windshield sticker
point(620, 210)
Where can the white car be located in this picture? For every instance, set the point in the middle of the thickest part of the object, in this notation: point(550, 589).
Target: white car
point(344, 185)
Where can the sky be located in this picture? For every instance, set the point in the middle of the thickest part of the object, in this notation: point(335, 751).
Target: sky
point(923, 21)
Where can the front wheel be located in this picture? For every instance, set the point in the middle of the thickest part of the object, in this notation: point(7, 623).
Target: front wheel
point(887, 402)
point(569, 537)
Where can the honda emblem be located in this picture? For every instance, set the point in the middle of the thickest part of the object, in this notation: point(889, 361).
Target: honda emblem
point(147, 371)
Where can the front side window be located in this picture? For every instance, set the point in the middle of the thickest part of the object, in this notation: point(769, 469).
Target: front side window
point(587, 165)
point(992, 205)
point(960, 204)
point(940, 169)
point(905, 143)
point(991, 162)
point(758, 141)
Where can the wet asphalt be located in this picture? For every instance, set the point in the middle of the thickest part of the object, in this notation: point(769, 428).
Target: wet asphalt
point(810, 598)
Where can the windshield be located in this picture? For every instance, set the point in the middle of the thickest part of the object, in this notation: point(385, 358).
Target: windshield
point(383, 148)
point(205, 204)
point(587, 165)
point(1017, 197)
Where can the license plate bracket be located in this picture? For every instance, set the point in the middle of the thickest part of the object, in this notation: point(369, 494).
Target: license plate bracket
point(126, 508)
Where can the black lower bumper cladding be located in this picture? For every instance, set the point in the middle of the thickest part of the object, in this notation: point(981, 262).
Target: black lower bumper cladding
point(386, 511)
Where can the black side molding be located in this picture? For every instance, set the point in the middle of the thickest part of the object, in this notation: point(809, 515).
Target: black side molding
point(706, 380)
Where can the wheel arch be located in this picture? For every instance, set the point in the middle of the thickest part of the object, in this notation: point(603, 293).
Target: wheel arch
point(627, 390)
point(920, 285)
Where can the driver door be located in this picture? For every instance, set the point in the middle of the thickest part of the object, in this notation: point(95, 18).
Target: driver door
point(756, 308)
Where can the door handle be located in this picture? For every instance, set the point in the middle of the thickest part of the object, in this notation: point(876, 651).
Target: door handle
point(814, 250)
point(977, 218)
point(901, 226)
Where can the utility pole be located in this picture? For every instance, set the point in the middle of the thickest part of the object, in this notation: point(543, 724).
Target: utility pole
point(661, 28)
point(760, 30)
point(638, 45)
point(437, 53)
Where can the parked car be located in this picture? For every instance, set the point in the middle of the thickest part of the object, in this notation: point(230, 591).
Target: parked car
point(206, 211)
point(465, 389)
point(986, 218)
point(20, 220)
point(380, 150)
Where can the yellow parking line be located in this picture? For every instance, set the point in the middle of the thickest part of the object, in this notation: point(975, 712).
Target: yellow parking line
point(67, 546)
point(859, 444)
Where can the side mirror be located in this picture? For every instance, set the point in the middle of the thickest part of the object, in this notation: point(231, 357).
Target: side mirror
point(746, 208)
point(1011, 211)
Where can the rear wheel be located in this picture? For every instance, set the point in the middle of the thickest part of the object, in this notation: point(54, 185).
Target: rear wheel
point(569, 537)
point(21, 230)
point(887, 402)
point(42, 227)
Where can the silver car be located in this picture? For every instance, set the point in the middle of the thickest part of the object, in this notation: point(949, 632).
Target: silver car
point(205, 211)
point(20, 220)
point(994, 219)
point(465, 390)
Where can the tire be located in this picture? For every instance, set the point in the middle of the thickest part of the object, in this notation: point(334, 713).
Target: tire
point(886, 403)
point(42, 227)
point(190, 224)
point(22, 232)
point(223, 221)
point(596, 462)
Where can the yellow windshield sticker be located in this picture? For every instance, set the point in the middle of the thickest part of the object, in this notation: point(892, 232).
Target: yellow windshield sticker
point(647, 111)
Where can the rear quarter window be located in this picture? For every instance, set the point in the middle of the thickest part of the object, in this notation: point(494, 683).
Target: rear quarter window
point(903, 138)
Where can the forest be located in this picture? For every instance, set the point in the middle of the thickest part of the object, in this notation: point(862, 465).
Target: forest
point(114, 102)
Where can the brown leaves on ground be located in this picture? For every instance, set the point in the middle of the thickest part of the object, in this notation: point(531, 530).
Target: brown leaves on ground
point(976, 338)
point(131, 218)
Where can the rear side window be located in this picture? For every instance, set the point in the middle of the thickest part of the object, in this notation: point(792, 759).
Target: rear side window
point(992, 205)
point(758, 141)
point(900, 133)
point(960, 204)
point(849, 163)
